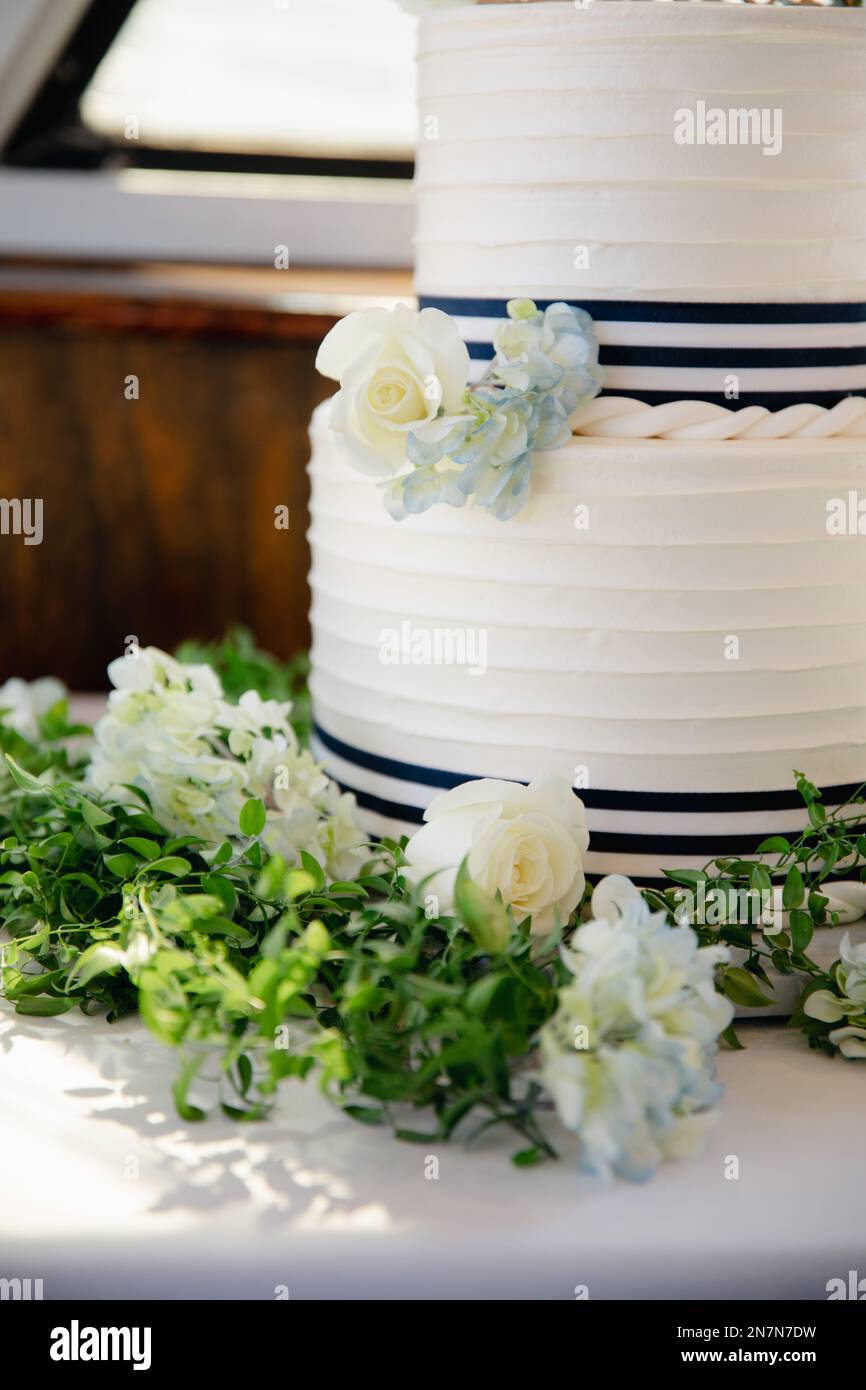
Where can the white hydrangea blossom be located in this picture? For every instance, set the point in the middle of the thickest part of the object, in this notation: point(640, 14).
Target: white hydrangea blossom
point(23, 703)
point(170, 732)
point(848, 1007)
point(629, 1055)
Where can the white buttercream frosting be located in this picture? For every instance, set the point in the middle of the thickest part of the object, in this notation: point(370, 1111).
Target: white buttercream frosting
point(548, 127)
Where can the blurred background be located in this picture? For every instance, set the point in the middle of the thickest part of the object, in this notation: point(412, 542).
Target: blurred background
point(191, 193)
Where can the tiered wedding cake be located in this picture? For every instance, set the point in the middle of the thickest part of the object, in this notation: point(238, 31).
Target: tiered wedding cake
point(677, 617)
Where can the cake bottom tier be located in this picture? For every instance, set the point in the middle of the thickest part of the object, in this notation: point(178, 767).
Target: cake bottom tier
point(676, 627)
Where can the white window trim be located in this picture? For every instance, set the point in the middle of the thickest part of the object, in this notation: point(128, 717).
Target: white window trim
point(139, 214)
point(144, 214)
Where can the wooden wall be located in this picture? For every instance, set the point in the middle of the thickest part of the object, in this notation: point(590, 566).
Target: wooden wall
point(159, 512)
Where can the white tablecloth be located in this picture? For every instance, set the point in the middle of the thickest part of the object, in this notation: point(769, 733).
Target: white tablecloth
point(105, 1193)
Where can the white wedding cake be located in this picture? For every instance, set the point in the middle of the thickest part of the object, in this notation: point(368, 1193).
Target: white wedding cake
point(676, 617)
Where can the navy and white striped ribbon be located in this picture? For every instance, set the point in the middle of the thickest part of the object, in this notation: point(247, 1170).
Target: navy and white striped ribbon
point(397, 794)
point(779, 354)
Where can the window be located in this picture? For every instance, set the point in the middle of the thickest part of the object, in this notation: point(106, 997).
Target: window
point(208, 129)
point(256, 85)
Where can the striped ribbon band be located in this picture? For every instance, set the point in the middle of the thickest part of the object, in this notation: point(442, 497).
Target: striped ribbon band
point(778, 354)
point(348, 765)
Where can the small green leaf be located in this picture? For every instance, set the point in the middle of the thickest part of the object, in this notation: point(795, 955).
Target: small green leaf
point(346, 890)
point(730, 1038)
point(34, 984)
point(296, 883)
point(245, 1073)
point(760, 880)
point(374, 883)
point(146, 848)
point(689, 878)
point(367, 999)
point(122, 865)
point(24, 779)
point(317, 939)
point(139, 820)
point(314, 869)
point(480, 996)
point(99, 959)
point(269, 884)
point(183, 842)
point(87, 881)
point(794, 890)
point(817, 814)
point(781, 959)
point(366, 1114)
point(255, 1112)
point(139, 794)
point(253, 817)
point(172, 864)
point(774, 844)
point(44, 1006)
point(192, 1114)
point(221, 888)
point(741, 988)
point(486, 918)
point(180, 1088)
point(93, 814)
point(224, 926)
point(528, 1158)
point(802, 928)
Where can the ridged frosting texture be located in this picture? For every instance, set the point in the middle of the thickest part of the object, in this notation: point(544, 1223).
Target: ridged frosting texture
point(548, 127)
point(607, 639)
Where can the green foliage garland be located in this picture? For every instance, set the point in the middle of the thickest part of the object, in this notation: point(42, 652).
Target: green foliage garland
point(257, 971)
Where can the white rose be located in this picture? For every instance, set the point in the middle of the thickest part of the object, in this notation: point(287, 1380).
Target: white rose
point(396, 368)
point(526, 843)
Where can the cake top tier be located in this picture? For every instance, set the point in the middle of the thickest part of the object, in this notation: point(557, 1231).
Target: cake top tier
point(692, 174)
point(667, 200)
point(631, 149)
